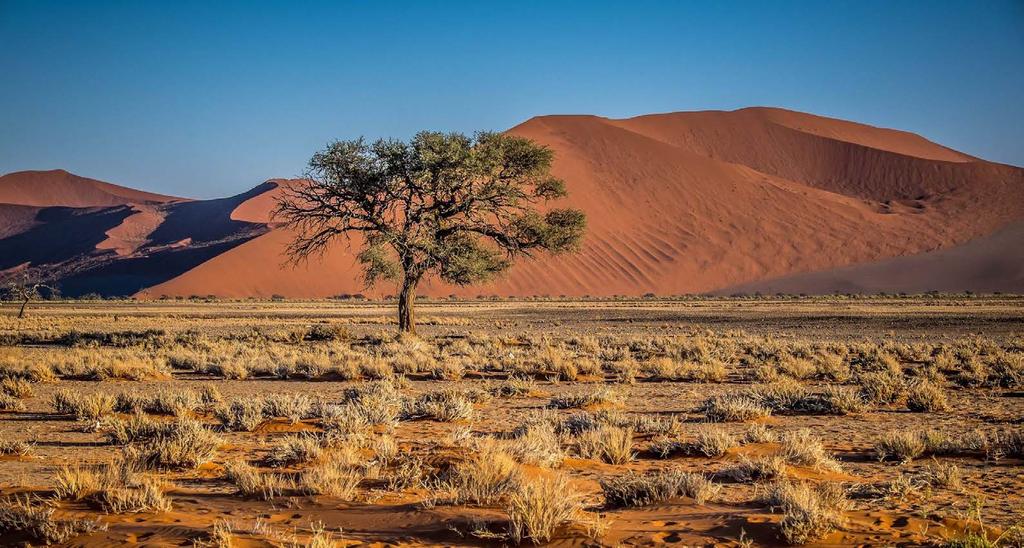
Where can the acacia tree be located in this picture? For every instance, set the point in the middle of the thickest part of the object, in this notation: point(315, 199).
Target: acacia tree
point(23, 288)
point(444, 203)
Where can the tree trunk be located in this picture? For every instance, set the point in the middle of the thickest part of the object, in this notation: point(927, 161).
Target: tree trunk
point(406, 301)
point(21, 313)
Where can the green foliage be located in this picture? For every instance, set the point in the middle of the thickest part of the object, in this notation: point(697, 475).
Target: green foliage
point(462, 208)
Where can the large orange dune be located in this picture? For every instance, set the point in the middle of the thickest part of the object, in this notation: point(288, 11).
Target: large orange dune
point(60, 188)
point(677, 203)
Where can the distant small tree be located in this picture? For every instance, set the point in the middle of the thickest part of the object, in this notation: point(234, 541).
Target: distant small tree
point(23, 288)
point(459, 207)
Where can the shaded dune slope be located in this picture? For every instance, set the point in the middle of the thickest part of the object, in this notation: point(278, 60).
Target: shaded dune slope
point(123, 249)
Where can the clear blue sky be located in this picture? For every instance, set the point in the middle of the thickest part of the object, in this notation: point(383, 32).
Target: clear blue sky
point(207, 99)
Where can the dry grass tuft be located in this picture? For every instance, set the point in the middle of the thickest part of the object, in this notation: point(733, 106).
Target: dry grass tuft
point(27, 516)
point(641, 490)
point(186, 443)
point(802, 448)
point(294, 449)
point(926, 396)
point(331, 478)
point(490, 473)
point(593, 398)
point(733, 408)
point(250, 482)
point(537, 508)
point(608, 443)
point(16, 447)
point(808, 513)
point(16, 388)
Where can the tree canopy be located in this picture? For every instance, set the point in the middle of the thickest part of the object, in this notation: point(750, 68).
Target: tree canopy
point(460, 207)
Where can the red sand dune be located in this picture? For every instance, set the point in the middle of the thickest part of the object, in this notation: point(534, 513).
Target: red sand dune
point(60, 188)
point(676, 203)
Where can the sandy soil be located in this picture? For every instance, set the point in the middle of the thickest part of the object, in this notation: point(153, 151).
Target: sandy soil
point(381, 516)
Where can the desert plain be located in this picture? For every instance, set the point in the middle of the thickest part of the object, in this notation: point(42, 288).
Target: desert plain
point(712, 421)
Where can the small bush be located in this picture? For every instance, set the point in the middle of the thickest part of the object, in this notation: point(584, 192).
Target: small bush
point(10, 403)
point(802, 448)
point(712, 442)
point(608, 443)
point(808, 513)
point(294, 449)
point(16, 447)
point(186, 444)
point(250, 482)
point(537, 444)
point(90, 407)
point(641, 490)
point(733, 408)
point(330, 478)
point(926, 396)
point(29, 517)
point(537, 508)
point(16, 388)
point(758, 469)
point(490, 473)
point(600, 397)
point(243, 415)
point(882, 387)
point(900, 445)
point(444, 406)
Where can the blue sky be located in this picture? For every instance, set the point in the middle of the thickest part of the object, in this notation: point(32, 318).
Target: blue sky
point(207, 99)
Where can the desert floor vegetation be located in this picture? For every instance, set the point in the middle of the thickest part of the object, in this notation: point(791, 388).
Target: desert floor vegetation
point(697, 421)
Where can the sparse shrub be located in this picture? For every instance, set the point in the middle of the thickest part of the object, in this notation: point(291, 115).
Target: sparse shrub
point(882, 387)
point(712, 441)
point(537, 444)
point(243, 415)
point(802, 448)
point(488, 474)
point(27, 516)
point(538, 507)
point(831, 367)
point(797, 368)
point(330, 478)
point(758, 468)
point(294, 449)
point(599, 397)
point(293, 407)
point(759, 433)
point(186, 444)
point(444, 406)
point(10, 403)
point(16, 388)
point(708, 371)
point(514, 386)
point(250, 482)
point(656, 424)
point(940, 474)
point(611, 444)
point(378, 402)
point(640, 490)
point(733, 408)
point(808, 513)
point(900, 445)
point(926, 396)
point(91, 407)
point(16, 447)
point(116, 487)
point(448, 369)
